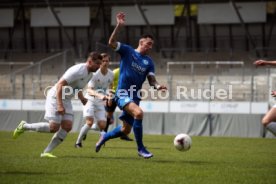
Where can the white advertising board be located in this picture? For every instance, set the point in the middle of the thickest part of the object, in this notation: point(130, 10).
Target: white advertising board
point(156, 15)
point(6, 104)
point(155, 106)
point(150, 106)
point(77, 16)
point(33, 105)
point(259, 107)
point(224, 13)
point(230, 107)
point(189, 107)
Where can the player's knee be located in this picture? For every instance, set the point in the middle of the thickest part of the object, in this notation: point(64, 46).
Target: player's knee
point(89, 121)
point(67, 126)
point(265, 121)
point(102, 125)
point(54, 127)
point(139, 114)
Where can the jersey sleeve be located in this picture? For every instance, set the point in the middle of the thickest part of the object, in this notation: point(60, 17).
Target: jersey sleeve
point(151, 69)
point(122, 48)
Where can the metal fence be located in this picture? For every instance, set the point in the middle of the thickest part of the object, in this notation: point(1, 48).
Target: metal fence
point(192, 79)
point(217, 81)
point(31, 80)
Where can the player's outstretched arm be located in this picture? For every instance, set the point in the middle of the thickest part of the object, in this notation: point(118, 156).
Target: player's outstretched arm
point(120, 17)
point(93, 92)
point(261, 62)
point(153, 82)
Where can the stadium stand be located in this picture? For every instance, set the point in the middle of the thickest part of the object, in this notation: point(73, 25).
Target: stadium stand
point(35, 57)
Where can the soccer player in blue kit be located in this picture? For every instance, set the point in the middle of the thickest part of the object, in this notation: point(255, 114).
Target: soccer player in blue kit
point(135, 67)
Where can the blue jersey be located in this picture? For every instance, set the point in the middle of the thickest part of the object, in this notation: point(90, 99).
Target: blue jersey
point(134, 68)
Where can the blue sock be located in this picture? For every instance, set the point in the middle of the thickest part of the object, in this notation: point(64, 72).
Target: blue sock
point(138, 132)
point(116, 132)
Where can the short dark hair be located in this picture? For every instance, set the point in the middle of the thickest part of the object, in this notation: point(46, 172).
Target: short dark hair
point(95, 56)
point(105, 55)
point(147, 36)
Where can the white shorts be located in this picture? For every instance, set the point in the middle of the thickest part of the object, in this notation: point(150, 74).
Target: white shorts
point(51, 113)
point(94, 109)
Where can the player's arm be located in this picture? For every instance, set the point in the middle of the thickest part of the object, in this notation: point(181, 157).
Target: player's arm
point(273, 93)
point(153, 82)
point(264, 62)
point(82, 98)
point(92, 92)
point(120, 17)
point(60, 108)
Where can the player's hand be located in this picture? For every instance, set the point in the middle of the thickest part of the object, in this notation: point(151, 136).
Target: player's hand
point(260, 62)
point(61, 110)
point(105, 97)
point(273, 93)
point(120, 18)
point(161, 88)
point(83, 101)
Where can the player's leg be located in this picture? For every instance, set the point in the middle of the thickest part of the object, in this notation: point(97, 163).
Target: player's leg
point(137, 113)
point(269, 120)
point(110, 107)
point(109, 120)
point(116, 132)
point(59, 136)
point(84, 130)
point(100, 115)
point(50, 114)
point(38, 127)
point(88, 114)
point(126, 138)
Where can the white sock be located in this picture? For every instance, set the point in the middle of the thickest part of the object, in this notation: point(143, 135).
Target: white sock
point(56, 140)
point(272, 127)
point(84, 129)
point(39, 127)
point(102, 133)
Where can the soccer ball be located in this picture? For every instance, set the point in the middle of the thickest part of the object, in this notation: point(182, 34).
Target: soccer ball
point(182, 142)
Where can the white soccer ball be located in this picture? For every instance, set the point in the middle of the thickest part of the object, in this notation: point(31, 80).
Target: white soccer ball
point(182, 142)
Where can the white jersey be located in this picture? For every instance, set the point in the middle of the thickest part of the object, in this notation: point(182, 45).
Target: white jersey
point(77, 77)
point(100, 82)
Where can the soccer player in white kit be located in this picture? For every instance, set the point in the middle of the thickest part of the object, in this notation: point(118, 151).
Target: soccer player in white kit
point(98, 89)
point(269, 120)
point(58, 107)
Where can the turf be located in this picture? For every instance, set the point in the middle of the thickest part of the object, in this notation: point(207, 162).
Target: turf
point(211, 160)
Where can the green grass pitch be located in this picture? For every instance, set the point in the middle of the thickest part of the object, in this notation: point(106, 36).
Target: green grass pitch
point(211, 160)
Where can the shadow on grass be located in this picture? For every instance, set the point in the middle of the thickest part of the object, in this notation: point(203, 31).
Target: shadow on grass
point(132, 147)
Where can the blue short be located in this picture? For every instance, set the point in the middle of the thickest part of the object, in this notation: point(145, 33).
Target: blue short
point(122, 101)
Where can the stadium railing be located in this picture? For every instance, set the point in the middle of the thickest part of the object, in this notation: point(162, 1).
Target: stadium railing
point(31, 80)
